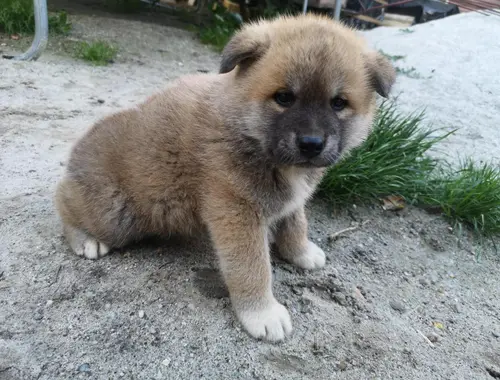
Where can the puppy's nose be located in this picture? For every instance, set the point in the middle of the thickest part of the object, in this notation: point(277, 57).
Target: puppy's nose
point(310, 146)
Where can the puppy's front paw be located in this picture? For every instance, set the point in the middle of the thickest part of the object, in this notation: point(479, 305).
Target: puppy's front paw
point(312, 258)
point(85, 245)
point(271, 323)
point(92, 249)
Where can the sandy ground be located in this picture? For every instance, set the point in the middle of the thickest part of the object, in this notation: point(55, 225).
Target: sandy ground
point(400, 298)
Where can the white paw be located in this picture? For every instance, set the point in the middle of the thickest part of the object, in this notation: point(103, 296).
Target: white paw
point(313, 258)
point(92, 249)
point(270, 323)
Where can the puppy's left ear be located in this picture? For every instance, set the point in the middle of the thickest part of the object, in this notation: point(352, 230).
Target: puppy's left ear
point(244, 48)
point(381, 73)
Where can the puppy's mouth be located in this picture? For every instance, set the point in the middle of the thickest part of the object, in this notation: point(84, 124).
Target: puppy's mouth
point(287, 158)
point(319, 162)
point(284, 155)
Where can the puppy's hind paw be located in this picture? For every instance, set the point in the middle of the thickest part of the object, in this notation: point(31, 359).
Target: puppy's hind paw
point(312, 258)
point(271, 322)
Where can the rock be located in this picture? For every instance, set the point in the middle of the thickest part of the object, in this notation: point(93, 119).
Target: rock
point(423, 281)
point(85, 367)
point(397, 305)
point(340, 298)
point(49, 303)
point(166, 362)
point(307, 305)
point(141, 314)
point(298, 291)
point(342, 365)
point(456, 307)
point(433, 337)
point(100, 101)
point(496, 334)
point(358, 295)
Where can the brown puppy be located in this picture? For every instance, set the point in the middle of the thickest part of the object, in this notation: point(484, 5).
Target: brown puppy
point(235, 154)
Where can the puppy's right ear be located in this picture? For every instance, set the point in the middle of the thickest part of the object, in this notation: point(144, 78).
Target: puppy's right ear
point(244, 48)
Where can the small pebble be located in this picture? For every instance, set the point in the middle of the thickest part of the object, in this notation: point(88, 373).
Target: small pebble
point(433, 337)
point(342, 365)
point(85, 367)
point(100, 101)
point(340, 298)
point(455, 306)
point(423, 281)
point(396, 305)
point(141, 313)
point(166, 362)
point(496, 334)
point(49, 303)
point(306, 305)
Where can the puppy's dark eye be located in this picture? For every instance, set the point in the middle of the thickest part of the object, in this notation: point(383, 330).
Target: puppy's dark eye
point(284, 98)
point(338, 103)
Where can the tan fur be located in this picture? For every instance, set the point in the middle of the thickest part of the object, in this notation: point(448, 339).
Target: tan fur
point(193, 159)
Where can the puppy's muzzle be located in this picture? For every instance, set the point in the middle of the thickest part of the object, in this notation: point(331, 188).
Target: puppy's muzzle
point(310, 146)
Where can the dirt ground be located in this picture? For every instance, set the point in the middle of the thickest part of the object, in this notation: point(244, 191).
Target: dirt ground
point(399, 298)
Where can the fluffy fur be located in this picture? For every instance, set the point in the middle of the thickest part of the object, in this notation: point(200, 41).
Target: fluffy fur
point(221, 154)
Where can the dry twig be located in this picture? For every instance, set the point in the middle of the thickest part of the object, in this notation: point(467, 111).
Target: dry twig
point(354, 227)
point(426, 339)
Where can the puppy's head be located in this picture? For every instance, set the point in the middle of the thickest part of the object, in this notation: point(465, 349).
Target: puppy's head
point(303, 88)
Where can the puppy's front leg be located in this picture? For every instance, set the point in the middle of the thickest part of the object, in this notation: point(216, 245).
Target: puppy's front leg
point(240, 239)
point(293, 244)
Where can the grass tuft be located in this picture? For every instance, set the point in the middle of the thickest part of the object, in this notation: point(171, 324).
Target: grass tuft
point(223, 24)
point(99, 53)
point(394, 161)
point(391, 161)
point(17, 17)
point(220, 28)
point(469, 195)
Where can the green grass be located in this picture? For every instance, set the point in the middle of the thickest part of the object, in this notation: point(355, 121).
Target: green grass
point(99, 53)
point(469, 195)
point(220, 28)
point(222, 24)
point(393, 58)
point(394, 160)
point(406, 30)
point(17, 17)
point(409, 72)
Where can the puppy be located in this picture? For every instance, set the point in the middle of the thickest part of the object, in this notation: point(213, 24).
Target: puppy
point(235, 154)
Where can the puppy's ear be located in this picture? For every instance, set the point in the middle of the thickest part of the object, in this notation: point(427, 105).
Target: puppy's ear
point(244, 48)
point(382, 74)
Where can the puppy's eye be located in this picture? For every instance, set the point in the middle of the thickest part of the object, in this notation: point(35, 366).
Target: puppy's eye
point(284, 98)
point(338, 103)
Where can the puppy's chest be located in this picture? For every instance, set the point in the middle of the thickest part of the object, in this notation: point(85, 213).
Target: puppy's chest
point(290, 193)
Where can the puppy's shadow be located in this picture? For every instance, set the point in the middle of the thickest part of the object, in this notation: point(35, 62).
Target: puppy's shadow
point(194, 256)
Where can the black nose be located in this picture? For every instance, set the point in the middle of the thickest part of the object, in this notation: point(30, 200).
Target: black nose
point(310, 146)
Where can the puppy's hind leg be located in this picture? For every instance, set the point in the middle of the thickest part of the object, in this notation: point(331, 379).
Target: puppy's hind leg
point(85, 245)
point(94, 222)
